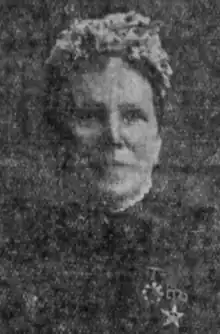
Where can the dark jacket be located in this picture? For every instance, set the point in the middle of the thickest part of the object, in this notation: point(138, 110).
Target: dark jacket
point(117, 249)
point(88, 267)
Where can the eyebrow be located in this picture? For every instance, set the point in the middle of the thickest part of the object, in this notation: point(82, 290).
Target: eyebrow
point(90, 107)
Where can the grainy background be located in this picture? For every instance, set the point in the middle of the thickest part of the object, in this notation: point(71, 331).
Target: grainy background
point(190, 156)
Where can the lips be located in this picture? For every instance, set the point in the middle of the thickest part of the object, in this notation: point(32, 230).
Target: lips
point(118, 163)
point(103, 165)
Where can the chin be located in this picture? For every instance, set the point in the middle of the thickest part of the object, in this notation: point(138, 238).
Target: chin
point(125, 193)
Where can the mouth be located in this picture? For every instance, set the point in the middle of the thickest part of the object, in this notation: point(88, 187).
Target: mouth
point(119, 163)
point(112, 164)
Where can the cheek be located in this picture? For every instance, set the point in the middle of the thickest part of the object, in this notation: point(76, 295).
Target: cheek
point(145, 141)
point(88, 135)
point(140, 134)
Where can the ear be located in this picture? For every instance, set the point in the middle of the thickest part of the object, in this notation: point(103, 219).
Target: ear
point(156, 150)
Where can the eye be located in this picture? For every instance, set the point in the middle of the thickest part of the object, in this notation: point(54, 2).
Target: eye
point(90, 115)
point(87, 115)
point(134, 115)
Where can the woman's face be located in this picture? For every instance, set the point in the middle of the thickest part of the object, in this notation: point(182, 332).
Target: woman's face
point(116, 130)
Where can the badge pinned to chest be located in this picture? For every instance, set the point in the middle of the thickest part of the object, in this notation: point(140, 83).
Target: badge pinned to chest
point(155, 274)
point(156, 288)
point(176, 295)
point(153, 289)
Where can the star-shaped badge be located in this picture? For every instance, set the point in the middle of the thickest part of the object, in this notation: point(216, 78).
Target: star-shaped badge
point(172, 316)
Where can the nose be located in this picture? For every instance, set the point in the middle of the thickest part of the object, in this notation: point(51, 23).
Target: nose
point(113, 130)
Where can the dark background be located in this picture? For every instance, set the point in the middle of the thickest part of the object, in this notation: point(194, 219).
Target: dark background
point(190, 160)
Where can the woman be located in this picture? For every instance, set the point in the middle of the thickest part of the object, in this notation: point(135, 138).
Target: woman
point(114, 75)
point(100, 257)
point(117, 74)
point(107, 81)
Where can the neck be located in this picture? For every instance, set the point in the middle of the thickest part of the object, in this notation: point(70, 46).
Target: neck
point(135, 199)
point(131, 200)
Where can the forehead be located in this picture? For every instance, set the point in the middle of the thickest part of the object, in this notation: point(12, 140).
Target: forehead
point(116, 84)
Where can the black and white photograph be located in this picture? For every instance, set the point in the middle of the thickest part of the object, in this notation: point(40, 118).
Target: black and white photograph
point(110, 167)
